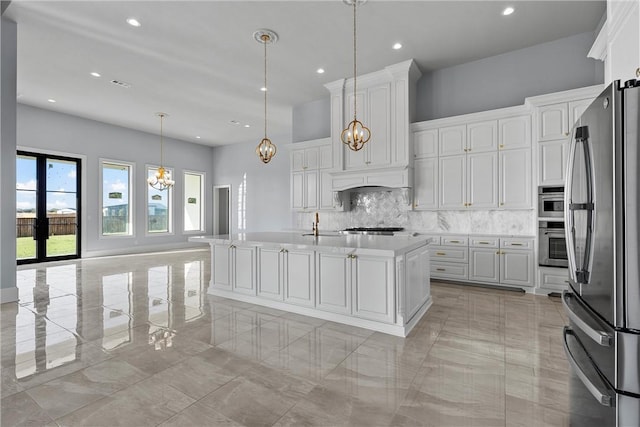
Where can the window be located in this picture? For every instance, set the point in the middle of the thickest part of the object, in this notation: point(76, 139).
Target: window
point(117, 210)
point(159, 218)
point(193, 201)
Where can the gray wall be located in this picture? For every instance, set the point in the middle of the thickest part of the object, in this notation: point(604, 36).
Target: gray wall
point(266, 203)
point(495, 82)
point(46, 130)
point(8, 48)
point(312, 120)
point(506, 80)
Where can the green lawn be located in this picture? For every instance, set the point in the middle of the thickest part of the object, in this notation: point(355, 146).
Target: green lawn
point(56, 245)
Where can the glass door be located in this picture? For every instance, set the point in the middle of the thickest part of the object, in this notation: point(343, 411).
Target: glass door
point(48, 208)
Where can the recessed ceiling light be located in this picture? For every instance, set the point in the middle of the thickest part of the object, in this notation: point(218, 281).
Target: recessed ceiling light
point(264, 89)
point(247, 126)
point(508, 11)
point(234, 122)
point(94, 74)
point(397, 46)
point(133, 22)
point(51, 100)
point(197, 136)
point(320, 71)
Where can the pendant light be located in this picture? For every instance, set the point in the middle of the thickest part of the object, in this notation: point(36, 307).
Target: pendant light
point(355, 135)
point(161, 180)
point(265, 150)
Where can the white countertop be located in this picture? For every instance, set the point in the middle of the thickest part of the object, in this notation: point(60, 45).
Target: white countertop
point(350, 243)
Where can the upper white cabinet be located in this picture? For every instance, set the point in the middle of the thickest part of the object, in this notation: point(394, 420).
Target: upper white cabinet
point(553, 122)
point(515, 179)
point(514, 132)
point(310, 179)
point(425, 192)
point(453, 140)
point(482, 137)
point(383, 105)
point(425, 143)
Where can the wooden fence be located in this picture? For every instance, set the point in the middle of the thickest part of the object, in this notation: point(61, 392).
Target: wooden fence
point(59, 224)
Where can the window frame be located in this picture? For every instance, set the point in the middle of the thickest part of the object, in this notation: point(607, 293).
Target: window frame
point(131, 191)
point(203, 180)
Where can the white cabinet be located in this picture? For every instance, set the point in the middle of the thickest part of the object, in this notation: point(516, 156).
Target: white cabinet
point(514, 132)
point(333, 282)
point(269, 277)
point(623, 40)
point(515, 179)
point(233, 268)
point(310, 179)
point(552, 162)
point(417, 288)
point(299, 277)
point(484, 265)
point(425, 191)
point(482, 136)
point(576, 108)
point(372, 285)
point(365, 281)
point(553, 122)
point(516, 267)
point(452, 140)
point(468, 180)
point(425, 143)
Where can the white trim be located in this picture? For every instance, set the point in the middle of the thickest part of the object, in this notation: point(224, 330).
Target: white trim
point(143, 250)
point(8, 295)
point(203, 180)
point(309, 143)
point(83, 188)
point(214, 217)
point(565, 96)
point(501, 113)
point(599, 48)
point(131, 191)
point(170, 204)
point(619, 12)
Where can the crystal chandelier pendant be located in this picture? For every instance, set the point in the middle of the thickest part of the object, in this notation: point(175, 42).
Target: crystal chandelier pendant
point(161, 180)
point(265, 149)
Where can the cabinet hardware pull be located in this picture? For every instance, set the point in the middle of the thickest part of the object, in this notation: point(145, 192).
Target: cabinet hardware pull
point(454, 241)
point(286, 251)
point(440, 253)
point(441, 269)
point(232, 247)
point(566, 134)
point(501, 145)
point(498, 253)
point(501, 203)
point(282, 250)
point(483, 243)
point(516, 244)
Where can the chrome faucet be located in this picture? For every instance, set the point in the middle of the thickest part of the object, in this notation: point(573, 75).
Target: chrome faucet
point(315, 229)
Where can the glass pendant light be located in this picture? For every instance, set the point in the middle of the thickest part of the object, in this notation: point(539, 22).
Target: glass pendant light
point(266, 149)
point(161, 180)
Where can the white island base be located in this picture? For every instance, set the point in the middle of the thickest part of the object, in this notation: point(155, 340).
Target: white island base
point(374, 282)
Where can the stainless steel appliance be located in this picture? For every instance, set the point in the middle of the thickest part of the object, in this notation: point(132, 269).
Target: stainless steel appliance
point(602, 341)
point(379, 231)
point(551, 202)
point(552, 244)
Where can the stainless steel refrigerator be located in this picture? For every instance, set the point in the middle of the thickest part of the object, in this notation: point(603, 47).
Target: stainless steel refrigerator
point(602, 340)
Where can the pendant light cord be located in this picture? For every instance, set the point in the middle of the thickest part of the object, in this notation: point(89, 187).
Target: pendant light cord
point(355, 75)
point(264, 41)
point(161, 142)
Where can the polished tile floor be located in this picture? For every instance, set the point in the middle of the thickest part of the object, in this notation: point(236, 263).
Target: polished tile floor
point(136, 341)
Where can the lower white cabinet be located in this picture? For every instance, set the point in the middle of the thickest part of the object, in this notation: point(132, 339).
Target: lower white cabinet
point(269, 278)
point(516, 267)
point(418, 289)
point(333, 282)
point(299, 277)
point(227, 275)
point(553, 279)
point(484, 265)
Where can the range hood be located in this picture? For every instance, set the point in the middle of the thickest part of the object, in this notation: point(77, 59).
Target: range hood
point(346, 182)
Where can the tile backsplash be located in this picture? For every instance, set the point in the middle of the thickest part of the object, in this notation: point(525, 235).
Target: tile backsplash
point(389, 208)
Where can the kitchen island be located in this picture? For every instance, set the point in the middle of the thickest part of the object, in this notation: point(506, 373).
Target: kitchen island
point(375, 282)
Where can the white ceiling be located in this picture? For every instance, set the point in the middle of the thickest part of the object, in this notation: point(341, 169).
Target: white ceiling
point(198, 62)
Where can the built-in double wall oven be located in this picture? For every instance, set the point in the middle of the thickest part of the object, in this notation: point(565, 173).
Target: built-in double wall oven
point(552, 250)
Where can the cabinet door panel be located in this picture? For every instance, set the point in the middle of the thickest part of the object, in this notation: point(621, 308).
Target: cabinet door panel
point(417, 290)
point(553, 122)
point(326, 159)
point(452, 140)
point(297, 160)
point(221, 274)
point(576, 108)
point(379, 122)
point(297, 190)
point(333, 282)
point(426, 183)
point(300, 278)
point(269, 270)
point(552, 162)
point(311, 160)
point(482, 182)
point(452, 172)
point(516, 268)
point(326, 193)
point(515, 179)
point(243, 270)
point(514, 132)
point(482, 137)
point(311, 189)
point(484, 265)
point(373, 288)
point(425, 143)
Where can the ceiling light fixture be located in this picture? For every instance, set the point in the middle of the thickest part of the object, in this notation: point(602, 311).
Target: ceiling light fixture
point(508, 11)
point(320, 71)
point(355, 135)
point(265, 149)
point(133, 22)
point(94, 74)
point(247, 126)
point(197, 137)
point(397, 46)
point(161, 180)
point(264, 89)
point(51, 100)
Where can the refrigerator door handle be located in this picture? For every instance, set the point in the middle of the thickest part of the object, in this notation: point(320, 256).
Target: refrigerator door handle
point(601, 337)
point(568, 213)
point(603, 397)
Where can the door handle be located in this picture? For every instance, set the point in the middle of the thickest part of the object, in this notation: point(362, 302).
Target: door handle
point(603, 398)
point(601, 337)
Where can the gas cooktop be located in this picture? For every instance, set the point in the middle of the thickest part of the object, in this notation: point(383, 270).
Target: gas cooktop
point(381, 231)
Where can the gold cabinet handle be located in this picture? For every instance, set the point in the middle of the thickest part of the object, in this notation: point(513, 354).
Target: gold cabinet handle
point(286, 251)
point(440, 253)
point(497, 252)
point(441, 269)
point(566, 134)
point(483, 243)
point(516, 244)
point(501, 145)
point(501, 203)
point(454, 241)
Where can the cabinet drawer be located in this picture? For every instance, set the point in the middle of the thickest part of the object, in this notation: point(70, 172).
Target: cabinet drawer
point(553, 277)
point(454, 241)
point(483, 242)
point(435, 240)
point(449, 254)
point(515, 243)
point(449, 271)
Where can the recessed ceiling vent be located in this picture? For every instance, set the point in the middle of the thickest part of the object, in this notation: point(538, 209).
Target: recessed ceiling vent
point(121, 84)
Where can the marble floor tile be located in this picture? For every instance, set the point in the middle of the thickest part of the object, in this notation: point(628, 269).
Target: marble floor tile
point(138, 341)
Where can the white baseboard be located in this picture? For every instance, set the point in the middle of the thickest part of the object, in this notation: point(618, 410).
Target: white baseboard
point(8, 295)
point(144, 249)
